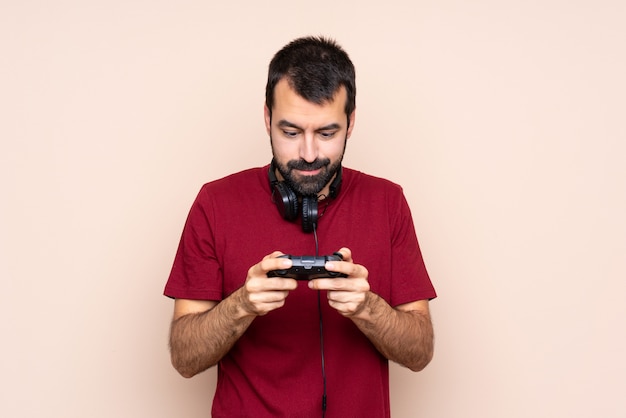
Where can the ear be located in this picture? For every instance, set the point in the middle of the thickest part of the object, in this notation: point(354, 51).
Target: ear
point(351, 127)
point(268, 119)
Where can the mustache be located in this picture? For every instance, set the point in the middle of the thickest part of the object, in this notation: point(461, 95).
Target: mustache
point(306, 166)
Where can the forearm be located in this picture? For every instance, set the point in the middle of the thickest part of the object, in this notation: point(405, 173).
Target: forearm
point(199, 340)
point(405, 337)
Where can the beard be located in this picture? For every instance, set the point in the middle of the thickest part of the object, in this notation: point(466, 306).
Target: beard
point(309, 185)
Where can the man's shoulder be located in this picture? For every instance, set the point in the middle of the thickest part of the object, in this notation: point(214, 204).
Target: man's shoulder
point(242, 185)
point(359, 179)
point(247, 178)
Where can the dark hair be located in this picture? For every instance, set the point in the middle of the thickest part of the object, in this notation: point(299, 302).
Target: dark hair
point(316, 68)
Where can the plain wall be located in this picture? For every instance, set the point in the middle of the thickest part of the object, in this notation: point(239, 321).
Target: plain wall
point(503, 121)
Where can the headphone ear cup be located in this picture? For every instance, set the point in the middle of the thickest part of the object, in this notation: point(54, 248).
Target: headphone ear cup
point(288, 203)
point(309, 213)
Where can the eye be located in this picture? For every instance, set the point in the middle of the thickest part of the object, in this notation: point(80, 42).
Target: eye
point(290, 134)
point(327, 134)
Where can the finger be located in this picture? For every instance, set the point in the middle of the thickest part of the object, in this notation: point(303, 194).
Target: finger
point(348, 268)
point(340, 296)
point(276, 263)
point(340, 284)
point(269, 262)
point(345, 304)
point(329, 284)
point(346, 254)
point(268, 284)
point(268, 297)
point(273, 255)
point(265, 302)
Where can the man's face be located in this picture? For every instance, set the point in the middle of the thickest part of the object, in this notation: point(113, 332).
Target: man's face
point(308, 140)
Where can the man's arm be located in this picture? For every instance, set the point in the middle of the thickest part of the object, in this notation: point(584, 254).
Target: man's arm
point(203, 331)
point(403, 334)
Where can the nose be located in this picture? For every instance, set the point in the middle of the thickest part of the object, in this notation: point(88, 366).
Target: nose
point(308, 147)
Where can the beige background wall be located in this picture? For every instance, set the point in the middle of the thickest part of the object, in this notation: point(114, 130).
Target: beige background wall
point(503, 120)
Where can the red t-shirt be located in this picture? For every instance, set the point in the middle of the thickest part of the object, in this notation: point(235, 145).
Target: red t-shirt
point(274, 369)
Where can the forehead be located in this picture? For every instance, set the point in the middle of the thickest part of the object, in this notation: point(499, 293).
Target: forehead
point(293, 107)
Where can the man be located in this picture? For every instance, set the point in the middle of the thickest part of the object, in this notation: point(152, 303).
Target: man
point(301, 348)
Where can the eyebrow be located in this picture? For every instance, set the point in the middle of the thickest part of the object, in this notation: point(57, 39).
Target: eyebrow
point(286, 124)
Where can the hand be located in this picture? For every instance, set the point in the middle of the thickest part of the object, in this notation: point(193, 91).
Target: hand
point(261, 294)
point(349, 295)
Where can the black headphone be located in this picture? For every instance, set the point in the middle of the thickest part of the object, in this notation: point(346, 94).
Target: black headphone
point(288, 202)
